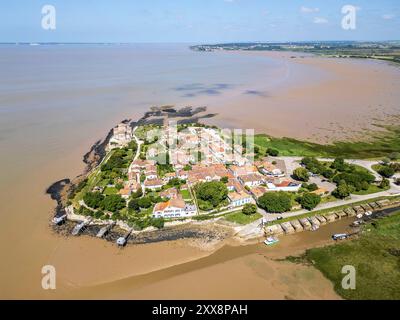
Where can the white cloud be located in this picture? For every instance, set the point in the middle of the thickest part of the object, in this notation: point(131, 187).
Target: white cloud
point(319, 20)
point(308, 10)
point(388, 16)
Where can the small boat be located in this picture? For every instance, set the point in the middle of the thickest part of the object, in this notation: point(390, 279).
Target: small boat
point(368, 213)
point(359, 216)
point(270, 241)
point(340, 236)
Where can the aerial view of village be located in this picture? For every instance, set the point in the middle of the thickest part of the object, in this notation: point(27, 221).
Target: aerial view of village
point(200, 150)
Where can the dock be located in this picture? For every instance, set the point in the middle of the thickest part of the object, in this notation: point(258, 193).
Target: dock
point(296, 225)
point(275, 229)
point(81, 226)
point(341, 214)
point(330, 217)
point(374, 205)
point(305, 223)
point(350, 212)
point(314, 221)
point(106, 229)
point(366, 207)
point(358, 209)
point(321, 219)
point(287, 227)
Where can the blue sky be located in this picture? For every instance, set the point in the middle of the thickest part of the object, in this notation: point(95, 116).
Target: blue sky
point(197, 21)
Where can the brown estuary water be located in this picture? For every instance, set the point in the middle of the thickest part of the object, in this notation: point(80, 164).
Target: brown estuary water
point(57, 100)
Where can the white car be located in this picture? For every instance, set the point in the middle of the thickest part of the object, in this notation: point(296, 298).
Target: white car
point(368, 213)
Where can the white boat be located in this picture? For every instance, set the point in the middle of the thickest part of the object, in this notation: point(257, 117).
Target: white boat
point(270, 241)
point(340, 236)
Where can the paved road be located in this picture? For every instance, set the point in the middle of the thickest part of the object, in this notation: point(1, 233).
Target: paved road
point(139, 143)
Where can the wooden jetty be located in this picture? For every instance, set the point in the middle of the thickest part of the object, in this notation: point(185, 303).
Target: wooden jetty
point(296, 225)
point(330, 217)
point(287, 227)
point(373, 205)
point(321, 219)
point(358, 209)
point(106, 229)
point(341, 214)
point(350, 212)
point(305, 223)
point(383, 203)
point(314, 221)
point(275, 229)
point(81, 226)
point(366, 207)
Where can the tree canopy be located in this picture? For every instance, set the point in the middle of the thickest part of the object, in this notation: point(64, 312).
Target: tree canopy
point(213, 192)
point(249, 209)
point(309, 200)
point(275, 202)
point(301, 174)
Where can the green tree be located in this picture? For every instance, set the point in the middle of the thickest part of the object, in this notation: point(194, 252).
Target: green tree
point(113, 203)
point(386, 171)
point(301, 174)
point(137, 194)
point(93, 199)
point(119, 186)
point(312, 187)
point(342, 191)
point(224, 179)
point(339, 164)
point(309, 200)
point(328, 173)
point(157, 222)
point(275, 202)
point(249, 209)
point(385, 183)
point(272, 152)
point(145, 202)
point(213, 192)
point(134, 205)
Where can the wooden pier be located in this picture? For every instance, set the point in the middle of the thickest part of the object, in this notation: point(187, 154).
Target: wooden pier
point(106, 229)
point(80, 227)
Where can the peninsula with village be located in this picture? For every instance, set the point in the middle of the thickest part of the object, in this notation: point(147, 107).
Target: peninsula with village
point(162, 172)
point(169, 176)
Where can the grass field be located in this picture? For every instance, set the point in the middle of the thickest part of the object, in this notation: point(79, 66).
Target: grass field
point(240, 218)
point(380, 145)
point(375, 256)
point(372, 189)
point(186, 195)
